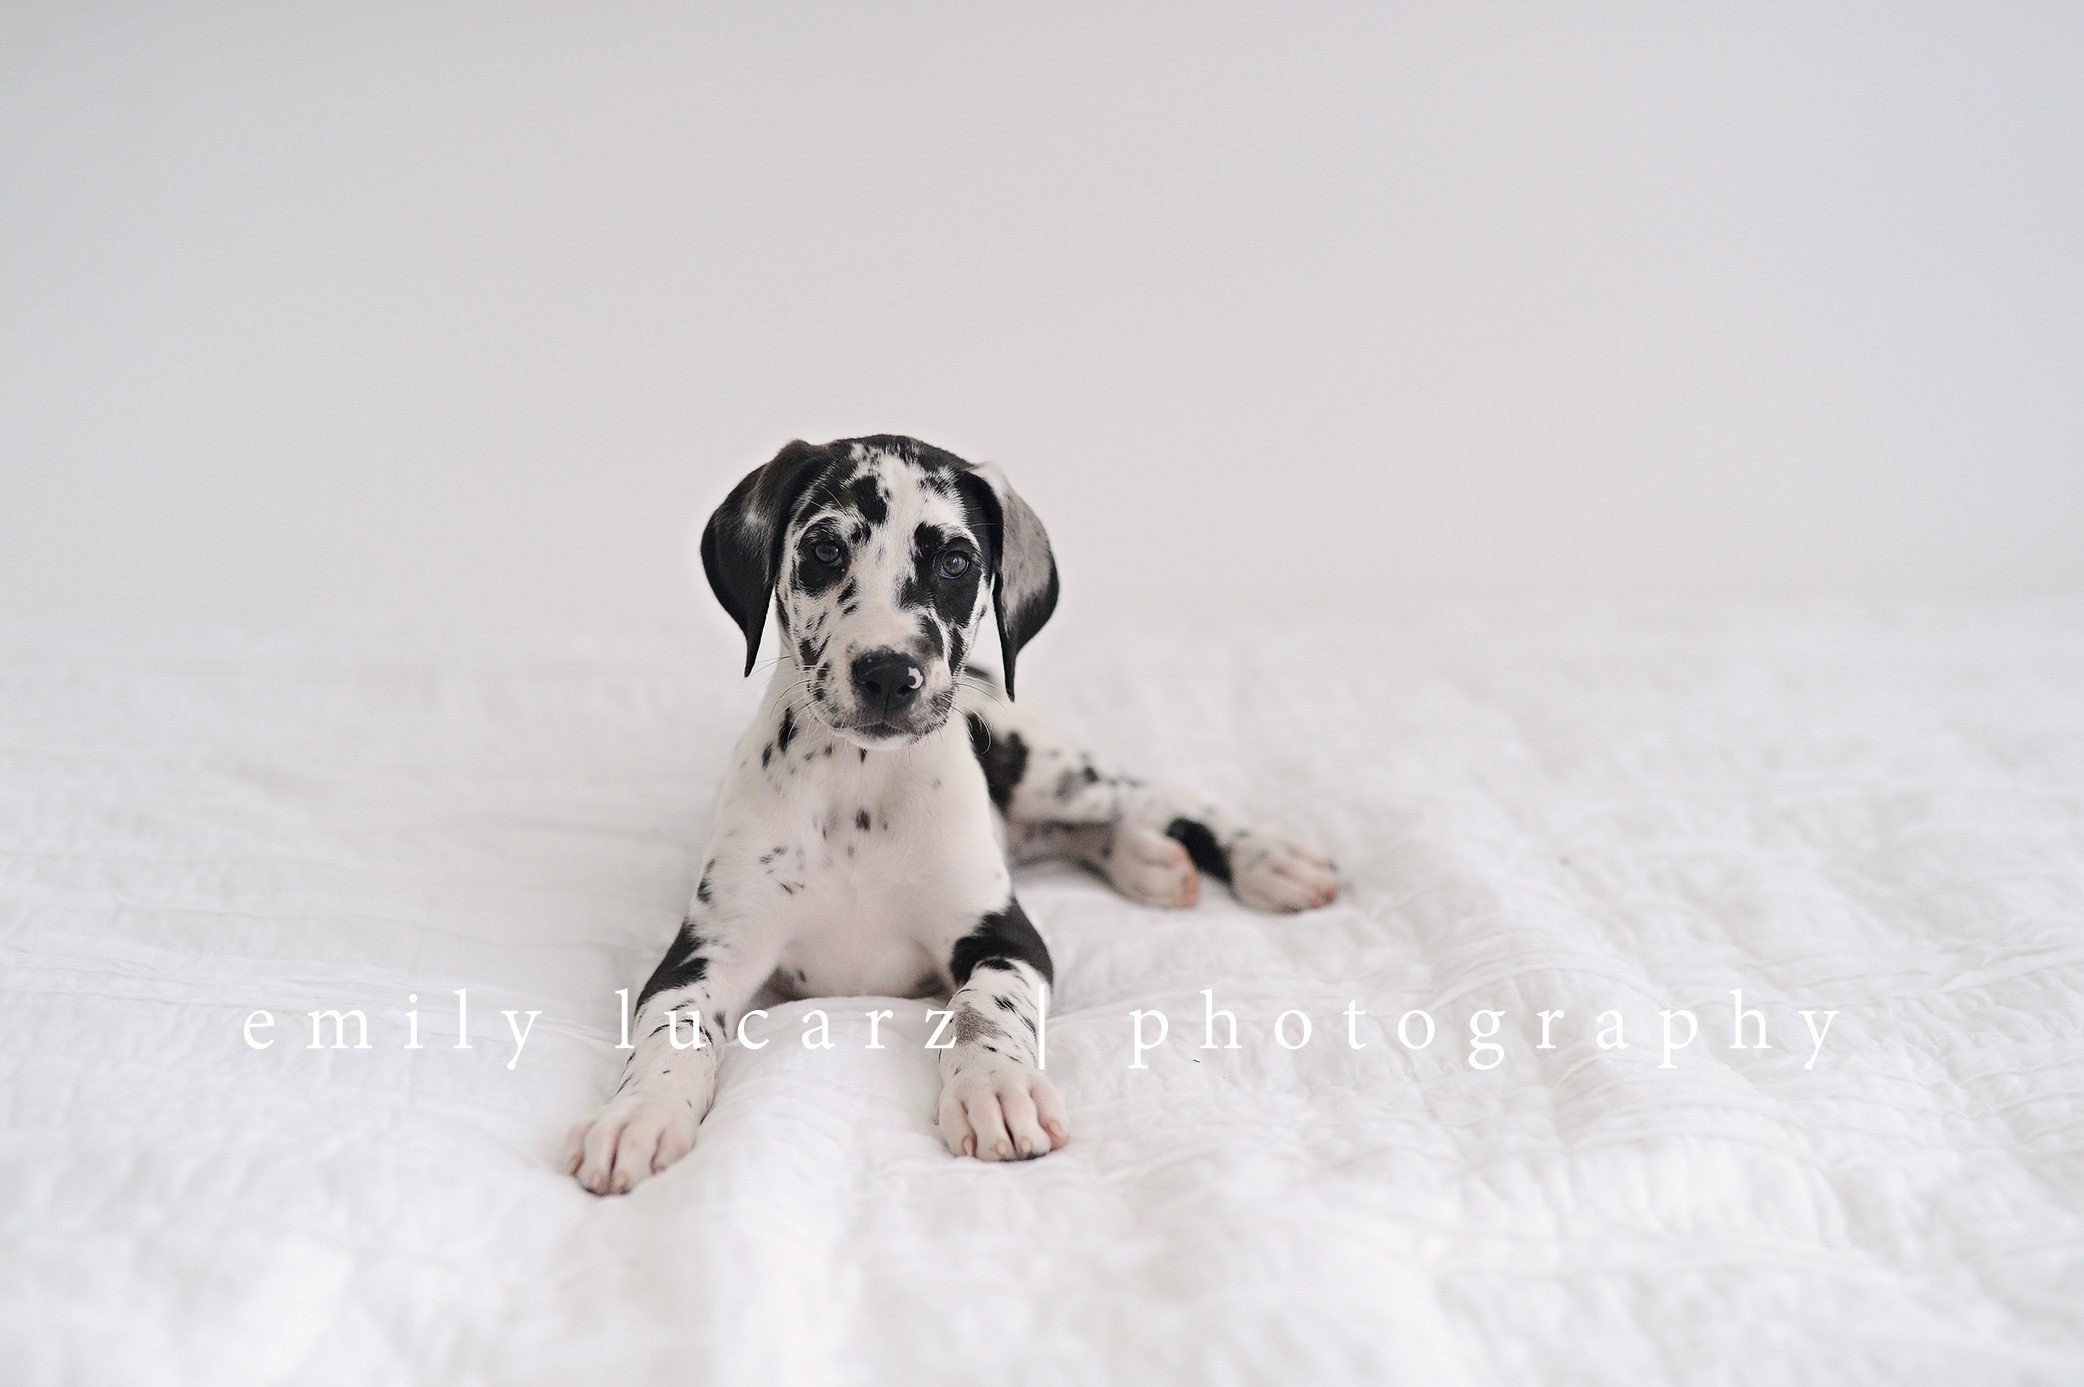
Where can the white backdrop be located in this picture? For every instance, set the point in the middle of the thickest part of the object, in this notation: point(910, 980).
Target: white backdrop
point(426, 308)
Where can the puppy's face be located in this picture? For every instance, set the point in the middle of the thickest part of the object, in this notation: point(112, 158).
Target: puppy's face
point(882, 592)
point(883, 554)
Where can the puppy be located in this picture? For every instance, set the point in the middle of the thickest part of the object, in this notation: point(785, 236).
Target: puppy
point(864, 830)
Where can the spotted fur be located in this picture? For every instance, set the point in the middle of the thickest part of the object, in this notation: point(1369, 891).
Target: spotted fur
point(870, 811)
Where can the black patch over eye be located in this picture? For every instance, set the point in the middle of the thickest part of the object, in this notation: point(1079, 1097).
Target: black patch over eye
point(953, 566)
point(827, 553)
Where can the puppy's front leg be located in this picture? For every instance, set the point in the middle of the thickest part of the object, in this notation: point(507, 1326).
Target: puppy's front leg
point(996, 1104)
point(683, 1018)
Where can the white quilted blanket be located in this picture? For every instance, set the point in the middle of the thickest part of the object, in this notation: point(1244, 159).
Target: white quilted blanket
point(1873, 813)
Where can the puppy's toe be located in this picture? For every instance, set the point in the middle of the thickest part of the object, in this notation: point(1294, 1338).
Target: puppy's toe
point(628, 1142)
point(1148, 867)
point(1275, 874)
point(1012, 1113)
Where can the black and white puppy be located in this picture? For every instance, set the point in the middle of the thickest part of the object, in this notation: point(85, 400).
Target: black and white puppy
point(863, 832)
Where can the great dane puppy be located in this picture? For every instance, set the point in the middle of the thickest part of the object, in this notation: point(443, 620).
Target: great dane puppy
point(863, 831)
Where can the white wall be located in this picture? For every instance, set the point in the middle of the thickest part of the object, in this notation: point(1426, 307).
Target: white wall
point(307, 308)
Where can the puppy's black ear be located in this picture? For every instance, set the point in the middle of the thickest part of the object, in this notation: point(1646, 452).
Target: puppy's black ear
point(1023, 570)
point(741, 545)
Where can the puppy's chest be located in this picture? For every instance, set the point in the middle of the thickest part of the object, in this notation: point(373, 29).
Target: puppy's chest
point(879, 875)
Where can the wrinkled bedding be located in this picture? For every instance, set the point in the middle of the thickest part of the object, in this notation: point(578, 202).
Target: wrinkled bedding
point(1872, 812)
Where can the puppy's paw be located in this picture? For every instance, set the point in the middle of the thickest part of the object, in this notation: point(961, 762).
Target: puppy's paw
point(1005, 1112)
point(627, 1142)
point(1150, 868)
point(1278, 874)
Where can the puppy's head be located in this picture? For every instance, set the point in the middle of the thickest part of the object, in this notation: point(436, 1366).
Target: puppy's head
point(884, 554)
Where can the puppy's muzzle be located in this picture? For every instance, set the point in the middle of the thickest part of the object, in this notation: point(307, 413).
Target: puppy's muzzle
point(885, 683)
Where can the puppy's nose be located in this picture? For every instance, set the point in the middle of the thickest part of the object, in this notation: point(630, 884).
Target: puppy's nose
point(886, 680)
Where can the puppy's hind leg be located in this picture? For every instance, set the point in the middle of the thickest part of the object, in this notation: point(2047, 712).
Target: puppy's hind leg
point(1154, 844)
point(1138, 861)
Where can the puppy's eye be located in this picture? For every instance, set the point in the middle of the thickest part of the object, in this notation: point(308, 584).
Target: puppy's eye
point(954, 565)
point(827, 553)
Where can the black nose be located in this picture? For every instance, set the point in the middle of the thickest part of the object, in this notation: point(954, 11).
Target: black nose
point(886, 681)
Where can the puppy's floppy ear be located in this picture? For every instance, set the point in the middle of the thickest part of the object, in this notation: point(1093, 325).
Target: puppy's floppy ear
point(741, 545)
point(1023, 570)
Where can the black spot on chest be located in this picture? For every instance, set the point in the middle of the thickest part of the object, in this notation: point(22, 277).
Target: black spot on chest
point(1004, 759)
